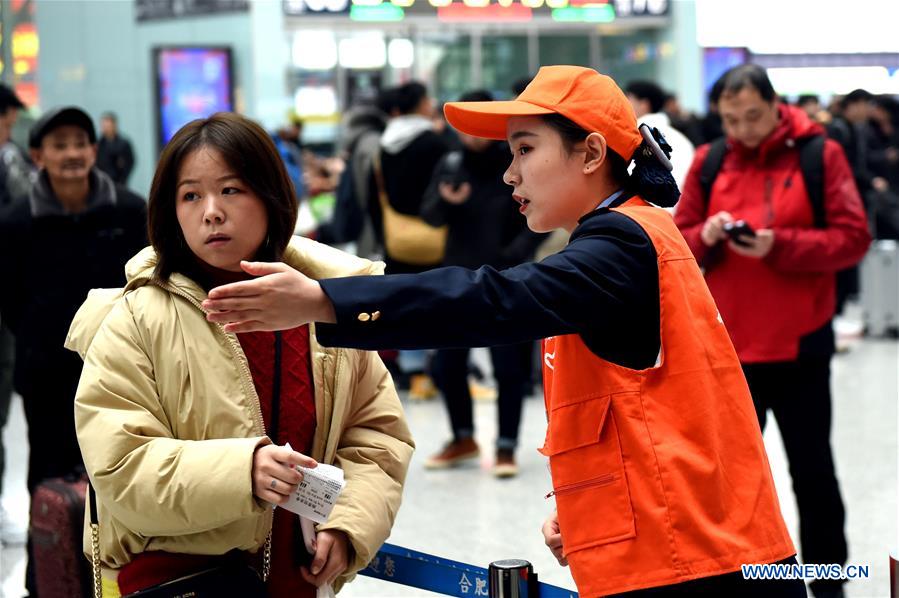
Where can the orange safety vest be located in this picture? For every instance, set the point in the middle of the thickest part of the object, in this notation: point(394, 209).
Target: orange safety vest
point(660, 475)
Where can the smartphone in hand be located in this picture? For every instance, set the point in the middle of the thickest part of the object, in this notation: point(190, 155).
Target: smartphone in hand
point(738, 229)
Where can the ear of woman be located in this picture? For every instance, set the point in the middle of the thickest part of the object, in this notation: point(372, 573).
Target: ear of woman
point(596, 152)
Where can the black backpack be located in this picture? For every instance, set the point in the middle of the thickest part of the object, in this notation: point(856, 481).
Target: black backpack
point(811, 163)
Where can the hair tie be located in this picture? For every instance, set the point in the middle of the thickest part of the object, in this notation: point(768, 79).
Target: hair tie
point(655, 144)
point(651, 177)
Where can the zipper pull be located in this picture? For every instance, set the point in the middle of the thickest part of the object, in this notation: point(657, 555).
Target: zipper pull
point(550, 495)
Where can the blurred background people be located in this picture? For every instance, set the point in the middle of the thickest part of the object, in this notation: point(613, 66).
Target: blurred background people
point(648, 101)
point(115, 156)
point(883, 200)
point(468, 195)
point(287, 140)
point(16, 177)
point(409, 152)
point(360, 141)
point(851, 129)
point(683, 120)
point(810, 104)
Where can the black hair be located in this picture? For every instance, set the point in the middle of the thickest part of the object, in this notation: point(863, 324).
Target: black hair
point(476, 95)
point(9, 99)
point(740, 77)
point(386, 100)
point(888, 103)
point(520, 85)
point(649, 91)
point(408, 97)
point(649, 179)
point(250, 152)
point(857, 95)
point(111, 116)
point(807, 98)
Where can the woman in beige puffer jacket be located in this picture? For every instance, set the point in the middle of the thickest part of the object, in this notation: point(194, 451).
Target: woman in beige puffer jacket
point(169, 420)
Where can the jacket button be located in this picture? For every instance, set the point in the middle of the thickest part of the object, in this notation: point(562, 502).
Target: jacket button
point(364, 317)
point(375, 315)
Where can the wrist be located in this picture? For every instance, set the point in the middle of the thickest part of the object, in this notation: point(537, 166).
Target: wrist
point(324, 309)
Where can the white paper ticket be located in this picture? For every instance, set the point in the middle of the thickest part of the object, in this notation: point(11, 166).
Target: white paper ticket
point(317, 493)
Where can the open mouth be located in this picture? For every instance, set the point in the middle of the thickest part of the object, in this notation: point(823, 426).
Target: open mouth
point(522, 202)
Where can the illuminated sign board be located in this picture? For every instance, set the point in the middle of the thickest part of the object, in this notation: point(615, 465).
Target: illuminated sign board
point(584, 11)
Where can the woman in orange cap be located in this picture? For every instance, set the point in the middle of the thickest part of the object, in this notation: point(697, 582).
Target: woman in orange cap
point(661, 481)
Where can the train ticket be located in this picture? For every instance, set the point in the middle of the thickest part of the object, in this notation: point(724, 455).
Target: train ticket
point(317, 494)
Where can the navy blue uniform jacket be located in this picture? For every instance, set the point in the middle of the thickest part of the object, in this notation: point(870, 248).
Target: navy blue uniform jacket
point(604, 285)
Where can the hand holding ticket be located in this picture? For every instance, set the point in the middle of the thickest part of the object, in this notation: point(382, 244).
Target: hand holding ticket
point(317, 493)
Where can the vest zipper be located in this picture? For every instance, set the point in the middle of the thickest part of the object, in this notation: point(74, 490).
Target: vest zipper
point(602, 480)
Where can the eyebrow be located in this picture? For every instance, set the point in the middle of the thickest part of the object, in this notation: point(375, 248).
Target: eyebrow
point(218, 180)
point(519, 134)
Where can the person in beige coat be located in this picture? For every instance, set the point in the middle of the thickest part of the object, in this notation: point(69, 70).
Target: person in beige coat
point(176, 418)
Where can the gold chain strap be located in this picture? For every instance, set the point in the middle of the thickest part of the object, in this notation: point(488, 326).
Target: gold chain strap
point(95, 560)
point(267, 557)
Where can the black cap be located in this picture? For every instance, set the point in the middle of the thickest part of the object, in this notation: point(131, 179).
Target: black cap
point(58, 117)
point(9, 99)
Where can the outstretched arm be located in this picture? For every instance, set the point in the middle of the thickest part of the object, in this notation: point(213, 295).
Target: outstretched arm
point(281, 298)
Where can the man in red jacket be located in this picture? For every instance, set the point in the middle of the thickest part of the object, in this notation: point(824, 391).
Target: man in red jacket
point(775, 290)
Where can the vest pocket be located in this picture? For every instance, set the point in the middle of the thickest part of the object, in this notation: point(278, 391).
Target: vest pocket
point(589, 482)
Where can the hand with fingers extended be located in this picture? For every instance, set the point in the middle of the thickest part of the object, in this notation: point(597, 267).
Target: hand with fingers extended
point(553, 538)
point(333, 553)
point(279, 299)
point(275, 477)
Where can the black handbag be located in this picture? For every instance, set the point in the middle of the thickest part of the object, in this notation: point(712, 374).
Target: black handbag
point(239, 580)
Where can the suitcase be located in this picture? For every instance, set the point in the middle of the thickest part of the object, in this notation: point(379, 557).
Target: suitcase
point(880, 288)
point(61, 569)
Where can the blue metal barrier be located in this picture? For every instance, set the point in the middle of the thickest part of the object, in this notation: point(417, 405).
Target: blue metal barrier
point(443, 576)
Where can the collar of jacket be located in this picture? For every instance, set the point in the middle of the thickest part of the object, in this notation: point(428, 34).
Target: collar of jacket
point(403, 130)
point(44, 202)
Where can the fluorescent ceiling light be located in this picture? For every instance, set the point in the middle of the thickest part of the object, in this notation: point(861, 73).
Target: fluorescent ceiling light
point(314, 50)
point(400, 53)
point(364, 51)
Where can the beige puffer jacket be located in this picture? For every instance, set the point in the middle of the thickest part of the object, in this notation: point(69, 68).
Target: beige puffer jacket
point(168, 418)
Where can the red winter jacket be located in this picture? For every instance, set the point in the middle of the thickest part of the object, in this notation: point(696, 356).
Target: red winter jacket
point(768, 305)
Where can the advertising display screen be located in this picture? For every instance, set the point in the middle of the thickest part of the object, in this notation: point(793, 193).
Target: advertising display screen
point(191, 83)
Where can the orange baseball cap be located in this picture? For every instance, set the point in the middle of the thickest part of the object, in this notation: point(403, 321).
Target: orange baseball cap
point(593, 101)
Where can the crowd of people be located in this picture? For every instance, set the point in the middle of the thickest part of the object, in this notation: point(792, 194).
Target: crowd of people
point(778, 204)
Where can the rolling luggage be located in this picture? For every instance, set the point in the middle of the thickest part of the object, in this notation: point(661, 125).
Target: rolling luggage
point(57, 525)
point(880, 288)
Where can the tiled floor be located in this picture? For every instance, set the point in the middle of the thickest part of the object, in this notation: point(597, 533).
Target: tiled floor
point(468, 515)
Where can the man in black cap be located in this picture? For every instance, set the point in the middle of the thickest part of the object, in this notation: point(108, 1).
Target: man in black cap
point(75, 233)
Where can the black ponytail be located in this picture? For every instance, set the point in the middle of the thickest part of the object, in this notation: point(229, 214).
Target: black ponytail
point(650, 179)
